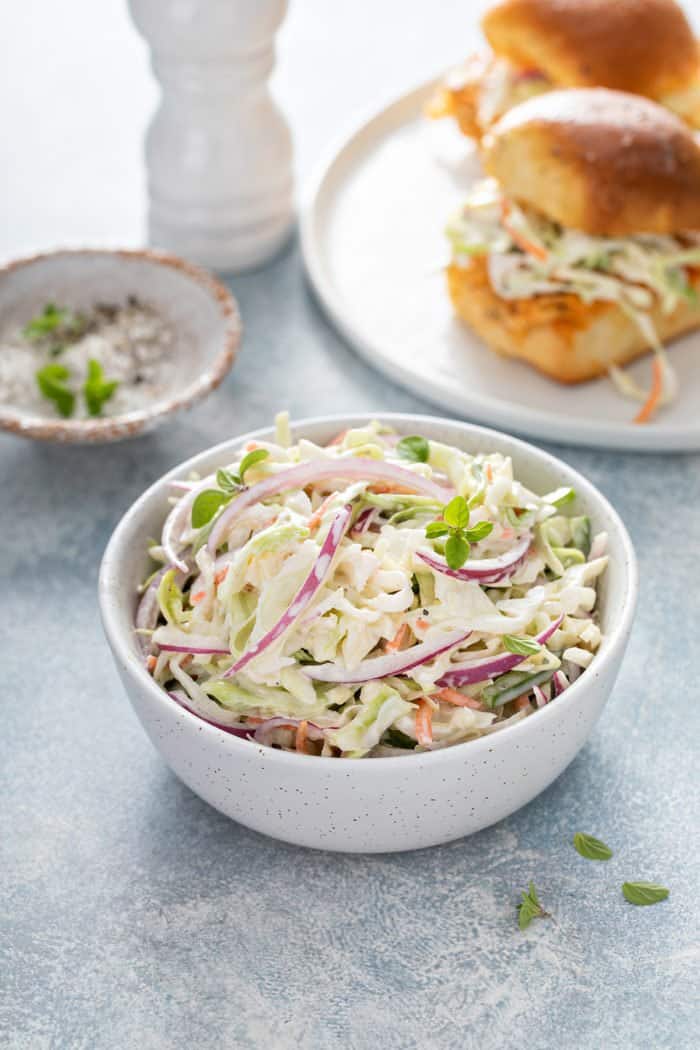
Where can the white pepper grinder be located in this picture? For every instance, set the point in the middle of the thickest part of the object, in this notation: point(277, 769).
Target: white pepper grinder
point(218, 150)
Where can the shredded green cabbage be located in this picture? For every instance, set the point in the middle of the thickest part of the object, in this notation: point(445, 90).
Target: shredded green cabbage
point(375, 597)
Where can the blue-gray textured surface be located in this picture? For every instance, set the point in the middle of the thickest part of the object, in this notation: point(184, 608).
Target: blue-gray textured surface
point(135, 916)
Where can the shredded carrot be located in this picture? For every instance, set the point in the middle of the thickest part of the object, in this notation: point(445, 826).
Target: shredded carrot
point(300, 738)
point(186, 660)
point(197, 598)
point(453, 696)
point(337, 439)
point(521, 703)
point(489, 473)
point(251, 446)
point(381, 487)
point(424, 722)
point(151, 663)
point(317, 516)
point(507, 534)
point(422, 625)
point(440, 105)
point(221, 575)
point(651, 404)
point(398, 640)
point(520, 239)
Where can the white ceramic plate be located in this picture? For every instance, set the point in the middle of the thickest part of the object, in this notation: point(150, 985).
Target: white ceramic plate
point(372, 238)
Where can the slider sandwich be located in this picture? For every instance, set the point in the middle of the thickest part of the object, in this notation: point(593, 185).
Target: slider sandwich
point(645, 47)
point(579, 253)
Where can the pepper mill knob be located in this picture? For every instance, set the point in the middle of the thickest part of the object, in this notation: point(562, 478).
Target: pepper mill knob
point(218, 150)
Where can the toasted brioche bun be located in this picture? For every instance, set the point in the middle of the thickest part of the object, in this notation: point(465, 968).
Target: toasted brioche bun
point(599, 161)
point(643, 46)
point(558, 334)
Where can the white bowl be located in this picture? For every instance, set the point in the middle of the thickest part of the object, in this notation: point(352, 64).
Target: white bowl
point(201, 310)
point(381, 804)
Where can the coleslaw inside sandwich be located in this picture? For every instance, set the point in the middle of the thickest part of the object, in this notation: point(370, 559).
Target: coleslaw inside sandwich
point(529, 255)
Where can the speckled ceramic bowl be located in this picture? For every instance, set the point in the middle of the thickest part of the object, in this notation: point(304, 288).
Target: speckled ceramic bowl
point(372, 805)
point(201, 310)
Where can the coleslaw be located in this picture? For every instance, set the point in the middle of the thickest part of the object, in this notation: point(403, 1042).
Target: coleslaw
point(373, 597)
point(529, 255)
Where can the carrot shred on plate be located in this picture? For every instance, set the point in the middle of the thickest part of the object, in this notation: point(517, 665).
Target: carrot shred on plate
point(337, 439)
point(151, 663)
point(424, 722)
point(489, 473)
point(300, 737)
point(221, 575)
point(521, 703)
point(453, 696)
point(422, 625)
point(195, 599)
point(657, 386)
point(520, 239)
point(398, 640)
point(251, 446)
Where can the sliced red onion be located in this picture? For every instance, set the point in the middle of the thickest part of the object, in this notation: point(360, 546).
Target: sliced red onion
point(239, 729)
point(540, 698)
point(383, 666)
point(480, 670)
point(176, 523)
point(559, 682)
point(486, 570)
point(148, 610)
point(201, 649)
point(598, 547)
point(364, 520)
point(307, 591)
point(346, 467)
point(265, 729)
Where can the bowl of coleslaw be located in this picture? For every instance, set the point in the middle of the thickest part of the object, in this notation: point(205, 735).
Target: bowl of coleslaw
point(369, 633)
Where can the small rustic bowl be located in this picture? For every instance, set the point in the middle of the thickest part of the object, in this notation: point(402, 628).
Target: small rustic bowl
point(372, 804)
point(202, 311)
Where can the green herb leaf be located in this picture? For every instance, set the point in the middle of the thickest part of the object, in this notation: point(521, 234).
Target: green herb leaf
point(227, 481)
point(456, 551)
point(591, 848)
point(560, 497)
point(44, 323)
point(414, 448)
point(529, 907)
point(481, 530)
point(51, 382)
point(521, 646)
point(206, 505)
point(644, 892)
point(256, 456)
point(97, 389)
point(456, 513)
point(436, 528)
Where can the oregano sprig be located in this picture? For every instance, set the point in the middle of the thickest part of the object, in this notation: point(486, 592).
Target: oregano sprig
point(454, 524)
point(229, 483)
point(529, 907)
